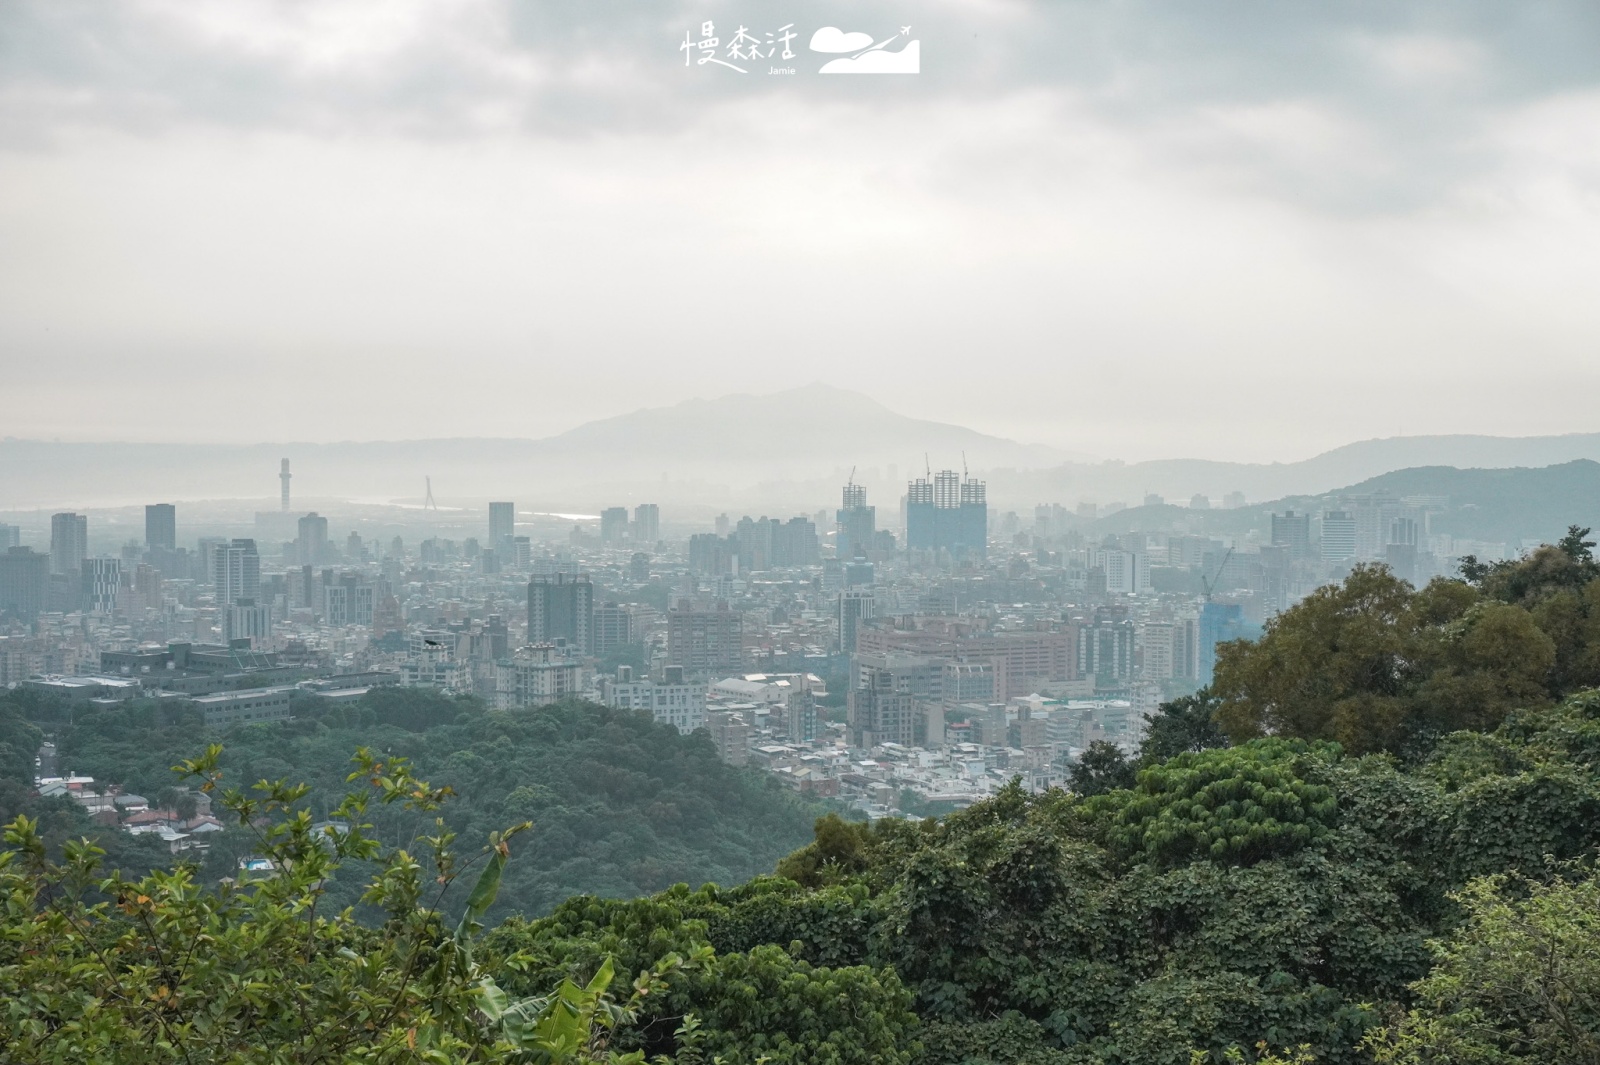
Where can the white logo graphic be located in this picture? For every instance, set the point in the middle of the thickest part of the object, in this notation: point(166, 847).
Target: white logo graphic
point(869, 58)
point(856, 51)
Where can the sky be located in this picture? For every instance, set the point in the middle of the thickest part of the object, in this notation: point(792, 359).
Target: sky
point(1131, 228)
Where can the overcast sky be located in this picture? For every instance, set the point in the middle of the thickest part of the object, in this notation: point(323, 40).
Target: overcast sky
point(1135, 229)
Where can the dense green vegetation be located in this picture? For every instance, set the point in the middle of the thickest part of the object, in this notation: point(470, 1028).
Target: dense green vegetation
point(1393, 862)
point(624, 806)
point(1375, 665)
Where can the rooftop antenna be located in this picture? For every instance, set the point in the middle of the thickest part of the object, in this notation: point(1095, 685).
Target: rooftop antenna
point(428, 503)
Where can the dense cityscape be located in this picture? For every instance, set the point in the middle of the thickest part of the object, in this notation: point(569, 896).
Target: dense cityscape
point(905, 659)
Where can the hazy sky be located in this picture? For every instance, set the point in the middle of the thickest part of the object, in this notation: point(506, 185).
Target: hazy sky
point(1225, 229)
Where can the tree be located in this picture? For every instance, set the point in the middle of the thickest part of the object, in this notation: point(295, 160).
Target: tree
point(102, 968)
point(1101, 768)
point(1181, 725)
point(1519, 981)
point(1337, 665)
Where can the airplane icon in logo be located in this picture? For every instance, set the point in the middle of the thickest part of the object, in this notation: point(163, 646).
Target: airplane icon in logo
point(906, 30)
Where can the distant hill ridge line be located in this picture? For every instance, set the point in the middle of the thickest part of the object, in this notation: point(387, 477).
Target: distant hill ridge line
point(776, 449)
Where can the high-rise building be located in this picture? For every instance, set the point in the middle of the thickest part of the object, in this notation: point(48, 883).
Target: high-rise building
point(283, 479)
point(705, 641)
point(613, 525)
point(348, 601)
point(561, 607)
point(10, 536)
point(69, 543)
point(613, 627)
point(313, 542)
point(101, 578)
point(247, 619)
point(1338, 536)
point(1292, 531)
point(24, 574)
point(161, 526)
point(854, 605)
point(1105, 650)
point(646, 523)
point(880, 714)
point(502, 527)
point(948, 514)
point(855, 524)
point(236, 572)
point(1219, 623)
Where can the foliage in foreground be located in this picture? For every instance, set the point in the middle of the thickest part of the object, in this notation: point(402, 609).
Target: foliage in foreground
point(1278, 894)
point(97, 967)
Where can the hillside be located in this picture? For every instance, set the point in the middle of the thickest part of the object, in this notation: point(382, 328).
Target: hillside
point(1496, 505)
point(621, 806)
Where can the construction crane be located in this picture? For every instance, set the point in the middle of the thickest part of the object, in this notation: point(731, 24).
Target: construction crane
point(1211, 584)
point(851, 483)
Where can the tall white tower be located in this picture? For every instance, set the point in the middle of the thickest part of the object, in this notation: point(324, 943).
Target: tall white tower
point(283, 475)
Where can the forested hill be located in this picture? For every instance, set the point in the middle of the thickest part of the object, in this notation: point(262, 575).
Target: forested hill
point(621, 806)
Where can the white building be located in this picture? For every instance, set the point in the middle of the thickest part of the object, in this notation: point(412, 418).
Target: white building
point(535, 676)
point(672, 702)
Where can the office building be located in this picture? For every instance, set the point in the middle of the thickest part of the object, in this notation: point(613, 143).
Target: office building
point(502, 527)
point(235, 572)
point(1338, 536)
point(853, 606)
point(69, 544)
point(1292, 531)
point(247, 619)
point(348, 601)
point(855, 524)
point(613, 628)
point(313, 542)
point(948, 514)
point(161, 527)
point(24, 577)
point(1127, 572)
point(561, 607)
point(705, 641)
point(10, 536)
point(101, 578)
point(613, 525)
point(646, 523)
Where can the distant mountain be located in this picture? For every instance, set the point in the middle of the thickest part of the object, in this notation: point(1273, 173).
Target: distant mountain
point(1178, 479)
point(700, 451)
point(788, 449)
point(1497, 505)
